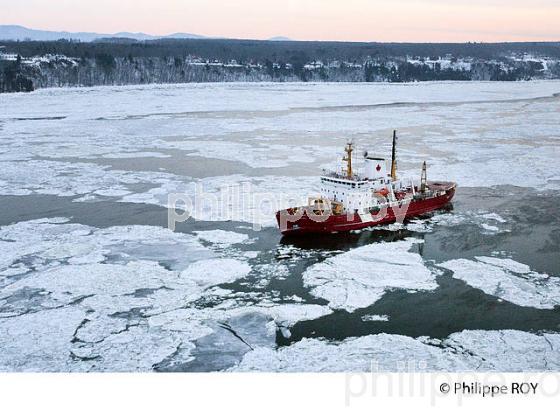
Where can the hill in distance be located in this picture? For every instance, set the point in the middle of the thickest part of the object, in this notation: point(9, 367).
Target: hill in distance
point(21, 33)
point(14, 32)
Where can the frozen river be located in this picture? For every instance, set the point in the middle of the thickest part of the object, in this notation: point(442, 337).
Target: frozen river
point(91, 279)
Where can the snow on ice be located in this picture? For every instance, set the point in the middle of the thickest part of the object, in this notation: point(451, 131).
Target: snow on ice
point(470, 350)
point(84, 298)
point(508, 280)
point(358, 278)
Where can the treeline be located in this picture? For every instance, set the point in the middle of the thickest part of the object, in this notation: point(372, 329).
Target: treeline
point(14, 77)
point(480, 71)
point(282, 51)
point(106, 70)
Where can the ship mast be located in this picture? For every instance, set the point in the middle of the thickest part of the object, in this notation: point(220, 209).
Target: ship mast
point(424, 179)
point(348, 158)
point(394, 159)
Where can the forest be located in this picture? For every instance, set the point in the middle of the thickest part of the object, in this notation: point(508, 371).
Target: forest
point(28, 65)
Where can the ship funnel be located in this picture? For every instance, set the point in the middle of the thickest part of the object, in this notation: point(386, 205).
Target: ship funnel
point(375, 168)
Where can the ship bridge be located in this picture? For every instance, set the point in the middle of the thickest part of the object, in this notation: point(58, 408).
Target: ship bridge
point(357, 192)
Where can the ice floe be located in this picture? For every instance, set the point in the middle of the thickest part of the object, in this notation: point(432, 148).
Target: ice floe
point(77, 178)
point(360, 277)
point(508, 280)
point(375, 318)
point(286, 315)
point(268, 271)
point(139, 348)
point(210, 272)
point(222, 238)
point(490, 223)
point(470, 350)
point(72, 261)
point(49, 242)
point(39, 341)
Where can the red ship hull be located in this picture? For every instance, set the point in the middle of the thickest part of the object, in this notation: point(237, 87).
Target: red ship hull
point(352, 222)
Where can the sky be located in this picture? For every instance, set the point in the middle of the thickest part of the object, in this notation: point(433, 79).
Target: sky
point(344, 20)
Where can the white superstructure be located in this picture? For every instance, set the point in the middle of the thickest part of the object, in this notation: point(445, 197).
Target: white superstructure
point(361, 193)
